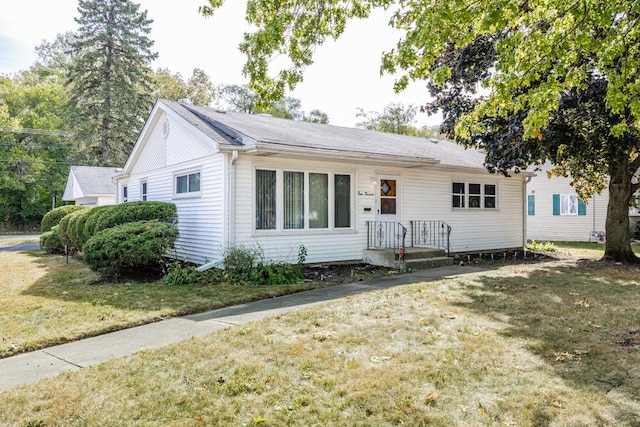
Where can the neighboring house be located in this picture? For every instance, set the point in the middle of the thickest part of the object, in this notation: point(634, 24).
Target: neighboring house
point(275, 184)
point(91, 186)
point(555, 213)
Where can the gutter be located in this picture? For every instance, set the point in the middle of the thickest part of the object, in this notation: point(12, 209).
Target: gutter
point(260, 149)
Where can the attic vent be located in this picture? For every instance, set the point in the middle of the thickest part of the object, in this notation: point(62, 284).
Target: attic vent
point(165, 129)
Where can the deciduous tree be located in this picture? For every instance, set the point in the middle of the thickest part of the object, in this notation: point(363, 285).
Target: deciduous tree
point(527, 81)
point(34, 146)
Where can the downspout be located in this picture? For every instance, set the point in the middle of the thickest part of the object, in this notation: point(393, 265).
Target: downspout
point(593, 217)
point(231, 206)
point(524, 210)
point(231, 212)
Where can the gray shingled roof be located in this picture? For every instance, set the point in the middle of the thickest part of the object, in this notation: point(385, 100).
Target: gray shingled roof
point(266, 131)
point(95, 180)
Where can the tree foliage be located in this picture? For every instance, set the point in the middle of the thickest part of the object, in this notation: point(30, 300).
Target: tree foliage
point(525, 81)
point(243, 99)
point(197, 90)
point(109, 77)
point(34, 146)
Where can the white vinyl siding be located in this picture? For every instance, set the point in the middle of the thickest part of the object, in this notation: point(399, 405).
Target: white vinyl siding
point(547, 221)
point(427, 195)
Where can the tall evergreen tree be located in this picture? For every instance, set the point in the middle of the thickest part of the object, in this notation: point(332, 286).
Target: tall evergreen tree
point(110, 78)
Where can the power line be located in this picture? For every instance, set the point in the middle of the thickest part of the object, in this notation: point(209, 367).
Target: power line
point(30, 145)
point(40, 161)
point(36, 131)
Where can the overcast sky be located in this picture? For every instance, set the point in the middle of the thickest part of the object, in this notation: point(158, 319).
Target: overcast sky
point(346, 74)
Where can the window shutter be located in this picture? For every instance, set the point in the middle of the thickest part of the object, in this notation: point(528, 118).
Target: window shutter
point(531, 205)
point(556, 204)
point(582, 208)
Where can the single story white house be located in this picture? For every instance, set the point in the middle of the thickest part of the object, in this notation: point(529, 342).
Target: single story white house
point(274, 184)
point(555, 213)
point(91, 186)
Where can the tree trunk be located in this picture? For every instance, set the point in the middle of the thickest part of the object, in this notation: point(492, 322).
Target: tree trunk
point(618, 243)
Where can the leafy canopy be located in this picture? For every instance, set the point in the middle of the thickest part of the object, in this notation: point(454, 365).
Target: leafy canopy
point(536, 39)
point(525, 80)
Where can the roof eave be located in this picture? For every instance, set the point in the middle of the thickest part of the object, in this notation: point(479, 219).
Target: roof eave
point(266, 149)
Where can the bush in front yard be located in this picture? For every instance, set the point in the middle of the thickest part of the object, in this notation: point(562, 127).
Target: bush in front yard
point(68, 228)
point(50, 241)
point(137, 211)
point(134, 245)
point(53, 217)
point(91, 222)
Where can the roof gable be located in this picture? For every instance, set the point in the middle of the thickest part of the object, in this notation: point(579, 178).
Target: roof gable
point(89, 181)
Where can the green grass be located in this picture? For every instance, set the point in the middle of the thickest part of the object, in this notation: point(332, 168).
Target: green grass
point(46, 301)
point(523, 345)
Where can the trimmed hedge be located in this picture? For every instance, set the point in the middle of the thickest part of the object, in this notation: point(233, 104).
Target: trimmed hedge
point(50, 241)
point(91, 221)
point(78, 231)
point(68, 227)
point(134, 245)
point(54, 216)
point(136, 211)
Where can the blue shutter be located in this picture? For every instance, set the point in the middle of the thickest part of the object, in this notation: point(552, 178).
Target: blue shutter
point(582, 208)
point(531, 205)
point(556, 204)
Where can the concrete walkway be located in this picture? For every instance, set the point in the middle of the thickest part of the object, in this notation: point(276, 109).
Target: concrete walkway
point(30, 367)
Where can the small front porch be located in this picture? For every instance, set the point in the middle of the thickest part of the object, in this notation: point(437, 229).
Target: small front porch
point(414, 258)
point(424, 244)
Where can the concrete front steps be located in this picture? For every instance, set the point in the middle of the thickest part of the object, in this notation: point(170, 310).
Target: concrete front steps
point(414, 258)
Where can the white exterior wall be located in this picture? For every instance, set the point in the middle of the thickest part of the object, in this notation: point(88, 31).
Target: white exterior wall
point(283, 245)
point(92, 202)
point(428, 196)
point(200, 216)
point(545, 226)
point(425, 194)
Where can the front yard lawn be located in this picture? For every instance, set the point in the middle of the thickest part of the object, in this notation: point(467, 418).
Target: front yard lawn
point(553, 343)
point(46, 301)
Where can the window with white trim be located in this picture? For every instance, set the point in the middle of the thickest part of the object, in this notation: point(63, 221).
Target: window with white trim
point(474, 195)
point(294, 200)
point(187, 184)
point(125, 194)
point(143, 190)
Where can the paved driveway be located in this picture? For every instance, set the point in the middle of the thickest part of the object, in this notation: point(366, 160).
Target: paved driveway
point(8, 247)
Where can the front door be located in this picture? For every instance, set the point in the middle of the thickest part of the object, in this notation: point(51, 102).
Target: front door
point(388, 198)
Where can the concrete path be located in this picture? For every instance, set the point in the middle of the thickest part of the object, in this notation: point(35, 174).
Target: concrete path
point(30, 367)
